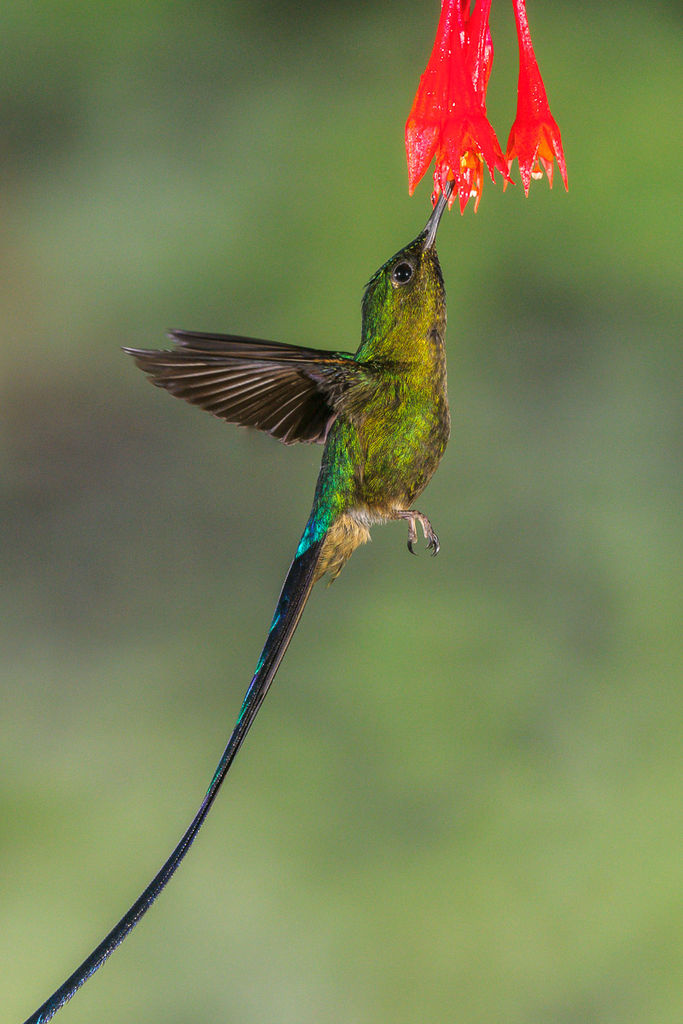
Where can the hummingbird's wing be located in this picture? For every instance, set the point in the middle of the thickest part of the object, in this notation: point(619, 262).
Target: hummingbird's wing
point(289, 392)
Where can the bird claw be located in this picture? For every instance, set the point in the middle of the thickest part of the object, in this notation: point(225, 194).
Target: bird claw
point(417, 517)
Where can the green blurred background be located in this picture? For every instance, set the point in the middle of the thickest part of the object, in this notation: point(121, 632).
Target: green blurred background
point(461, 801)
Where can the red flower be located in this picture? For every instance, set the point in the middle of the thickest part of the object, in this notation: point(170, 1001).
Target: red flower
point(448, 116)
point(534, 138)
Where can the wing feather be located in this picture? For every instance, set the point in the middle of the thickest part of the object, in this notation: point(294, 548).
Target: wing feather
point(290, 392)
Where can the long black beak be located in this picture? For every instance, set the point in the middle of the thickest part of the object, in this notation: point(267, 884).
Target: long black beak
point(433, 222)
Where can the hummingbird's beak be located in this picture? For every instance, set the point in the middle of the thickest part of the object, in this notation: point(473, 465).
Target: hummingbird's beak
point(433, 222)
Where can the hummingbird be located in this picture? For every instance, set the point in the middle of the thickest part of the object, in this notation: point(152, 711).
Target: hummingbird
point(382, 415)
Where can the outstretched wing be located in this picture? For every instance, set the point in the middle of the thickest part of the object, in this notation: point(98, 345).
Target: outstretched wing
point(289, 392)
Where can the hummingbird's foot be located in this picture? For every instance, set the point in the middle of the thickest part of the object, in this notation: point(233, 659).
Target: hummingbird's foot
point(413, 516)
point(412, 536)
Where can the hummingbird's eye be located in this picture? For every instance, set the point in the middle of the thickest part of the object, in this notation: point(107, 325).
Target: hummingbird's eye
point(402, 273)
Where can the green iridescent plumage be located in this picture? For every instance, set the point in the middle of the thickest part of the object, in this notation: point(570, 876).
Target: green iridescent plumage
point(383, 417)
point(392, 426)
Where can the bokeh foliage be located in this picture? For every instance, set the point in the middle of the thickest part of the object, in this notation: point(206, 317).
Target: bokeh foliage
point(461, 801)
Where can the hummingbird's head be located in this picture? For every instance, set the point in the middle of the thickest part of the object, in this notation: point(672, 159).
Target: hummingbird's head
point(408, 291)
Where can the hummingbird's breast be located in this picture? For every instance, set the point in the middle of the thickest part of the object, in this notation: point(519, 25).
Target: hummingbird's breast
point(379, 458)
point(404, 434)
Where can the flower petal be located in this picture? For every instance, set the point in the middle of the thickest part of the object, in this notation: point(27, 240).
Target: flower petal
point(448, 115)
point(534, 137)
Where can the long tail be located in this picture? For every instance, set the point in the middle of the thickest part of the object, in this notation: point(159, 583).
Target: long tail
point(297, 586)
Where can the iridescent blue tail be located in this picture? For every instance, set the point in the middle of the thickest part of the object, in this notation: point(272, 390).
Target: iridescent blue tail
point(295, 591)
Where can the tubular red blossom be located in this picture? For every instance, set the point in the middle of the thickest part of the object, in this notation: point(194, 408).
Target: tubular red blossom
point(479, 50)
point(448, 116)
point(534, 138)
